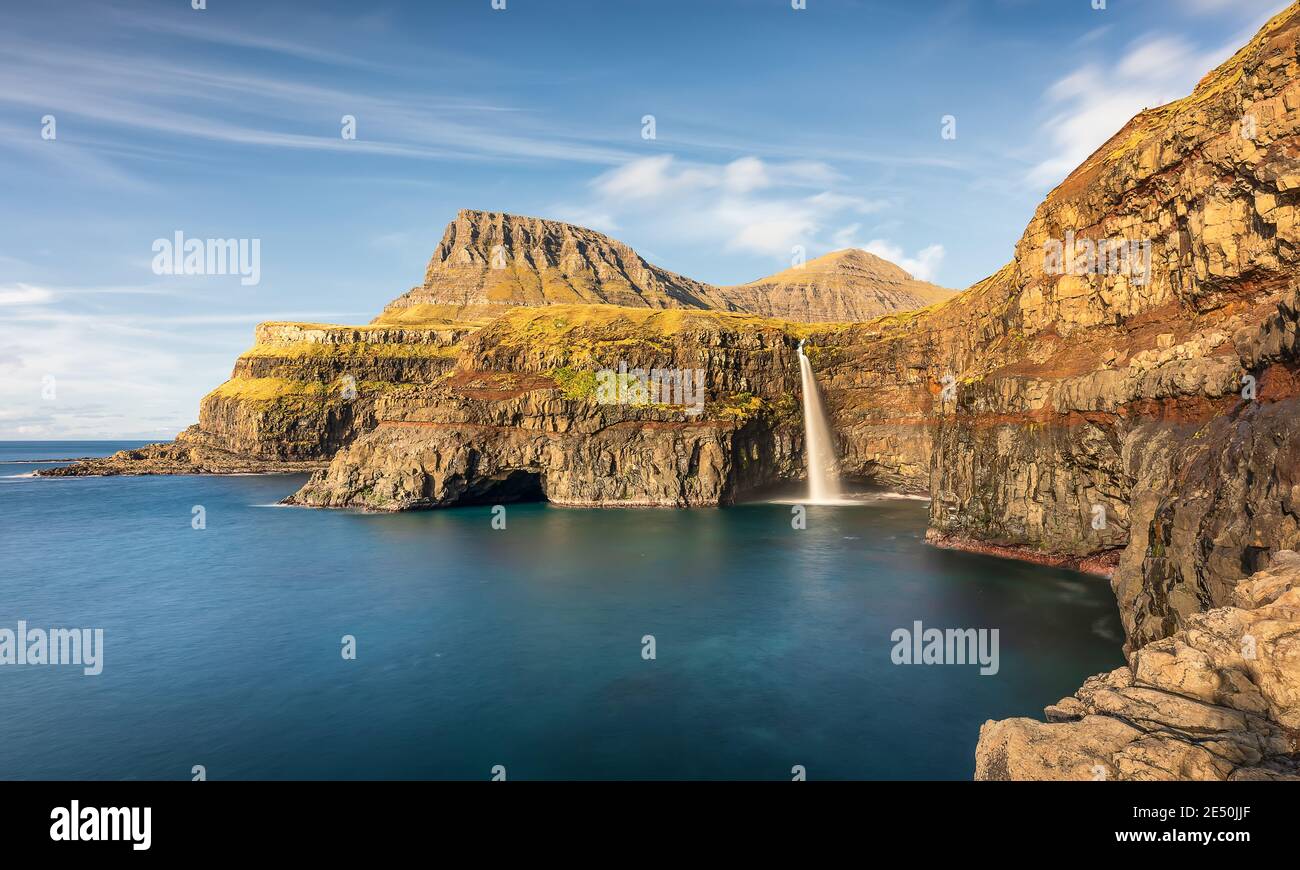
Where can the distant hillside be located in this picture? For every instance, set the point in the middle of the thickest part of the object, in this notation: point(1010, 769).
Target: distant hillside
point(842, 286)
point(490, 261)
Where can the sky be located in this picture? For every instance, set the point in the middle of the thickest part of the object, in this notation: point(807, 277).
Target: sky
point(125, 123)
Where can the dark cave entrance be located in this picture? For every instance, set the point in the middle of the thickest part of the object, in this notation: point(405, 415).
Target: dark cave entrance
point(516, 486)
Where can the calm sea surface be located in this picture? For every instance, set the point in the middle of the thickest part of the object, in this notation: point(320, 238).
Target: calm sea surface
point(520, 647)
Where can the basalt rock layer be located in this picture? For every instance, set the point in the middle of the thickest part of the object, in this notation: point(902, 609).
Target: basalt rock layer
point(493, 259)
point(1169, 418)
point(304, 391)
point(299, 394)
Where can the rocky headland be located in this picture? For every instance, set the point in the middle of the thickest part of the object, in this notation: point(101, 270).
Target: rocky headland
point(1121, 397)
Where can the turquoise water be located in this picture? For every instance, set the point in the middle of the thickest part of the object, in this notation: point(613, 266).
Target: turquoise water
point(519, 647)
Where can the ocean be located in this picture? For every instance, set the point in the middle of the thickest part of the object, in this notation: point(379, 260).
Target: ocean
point(570, 644)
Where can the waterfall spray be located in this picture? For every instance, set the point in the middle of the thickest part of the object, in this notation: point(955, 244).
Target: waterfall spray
point(823, 483)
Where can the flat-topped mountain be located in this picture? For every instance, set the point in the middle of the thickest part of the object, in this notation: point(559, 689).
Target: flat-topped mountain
point(489, 261)
point(847, 285)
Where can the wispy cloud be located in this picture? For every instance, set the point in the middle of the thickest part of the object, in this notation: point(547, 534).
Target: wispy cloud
point(205, 101)
point(1096, 99)
point(96, 375)
point(203, 29)
point(924, 264)
point(24, 294)
point(747, 204)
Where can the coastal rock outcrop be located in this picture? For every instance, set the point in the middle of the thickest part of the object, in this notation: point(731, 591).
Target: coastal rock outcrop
point(305, 391)
point(298, 395)
point(1218, 700)
point(523, 416)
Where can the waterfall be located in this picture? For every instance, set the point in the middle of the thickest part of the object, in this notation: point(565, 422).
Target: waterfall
point(823, 482)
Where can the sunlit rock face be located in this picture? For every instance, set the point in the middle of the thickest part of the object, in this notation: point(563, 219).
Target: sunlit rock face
point(1182, 426)
point(492, 259)
point(529, 401)
point(1219, 699)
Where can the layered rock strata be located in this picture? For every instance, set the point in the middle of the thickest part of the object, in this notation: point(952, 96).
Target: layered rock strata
point(523, 416)
point(297, 396)
point(843, 286)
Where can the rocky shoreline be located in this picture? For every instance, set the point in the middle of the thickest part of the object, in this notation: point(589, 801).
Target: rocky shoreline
point(178, 457)
point(1098, 565)
point(1218, 700)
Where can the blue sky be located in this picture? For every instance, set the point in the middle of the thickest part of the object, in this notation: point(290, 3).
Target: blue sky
point(773, 127)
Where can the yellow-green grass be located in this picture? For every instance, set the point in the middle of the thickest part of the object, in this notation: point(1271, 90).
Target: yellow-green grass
point(352, 350)
point(264, 390)
point(614, 324)
point(434, 316)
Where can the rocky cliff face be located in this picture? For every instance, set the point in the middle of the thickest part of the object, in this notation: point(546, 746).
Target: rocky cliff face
point(304, 391)
point(298, 395)
point(1172, 413)
point(495, 259)
point(529, 413)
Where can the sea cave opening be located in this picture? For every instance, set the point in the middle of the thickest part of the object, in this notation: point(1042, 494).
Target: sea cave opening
point(516, 486)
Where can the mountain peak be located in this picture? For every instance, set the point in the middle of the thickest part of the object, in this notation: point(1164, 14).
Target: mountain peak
point(843, 261)
point(489, 260)
point(844, 285)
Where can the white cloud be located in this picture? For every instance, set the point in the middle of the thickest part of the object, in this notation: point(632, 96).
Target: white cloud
point(24, 294)
point(1094, 102)
point(748, 205)
point(1156, 59)
point(746, 174)
point(129, 93)
point(117, 373)
point(923, 266)
point(652, 178)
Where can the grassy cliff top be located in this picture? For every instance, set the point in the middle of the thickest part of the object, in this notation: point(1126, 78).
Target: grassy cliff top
point(553, 321)
point(351, 349)
point(414, 316)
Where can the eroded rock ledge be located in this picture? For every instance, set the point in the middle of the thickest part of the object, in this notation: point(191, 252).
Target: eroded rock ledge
point(1217, 700)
